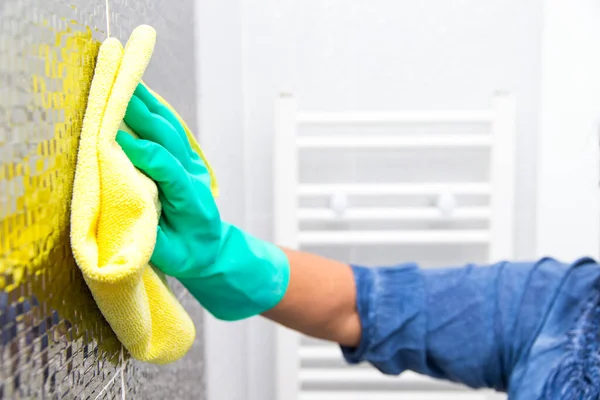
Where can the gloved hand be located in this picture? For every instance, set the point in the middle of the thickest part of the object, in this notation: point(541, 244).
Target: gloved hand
point(232, 274)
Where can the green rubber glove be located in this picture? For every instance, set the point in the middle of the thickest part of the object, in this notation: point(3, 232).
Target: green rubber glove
point(231, 273)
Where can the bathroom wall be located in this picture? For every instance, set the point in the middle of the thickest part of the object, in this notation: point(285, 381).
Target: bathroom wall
point(53, 339)
point(218, 30)
point(569, 157)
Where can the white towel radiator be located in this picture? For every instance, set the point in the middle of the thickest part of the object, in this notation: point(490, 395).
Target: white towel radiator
point(311, 370)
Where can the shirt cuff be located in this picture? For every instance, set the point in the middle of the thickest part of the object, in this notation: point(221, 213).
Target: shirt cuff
point(363, 278)
point(390, 303)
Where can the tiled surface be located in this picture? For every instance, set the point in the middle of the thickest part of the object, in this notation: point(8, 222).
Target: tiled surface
point(54, 342)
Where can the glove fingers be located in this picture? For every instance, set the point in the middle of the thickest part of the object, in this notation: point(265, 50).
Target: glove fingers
point(156, 107)
point(160, 165)
point(181, 199)
point(155, 128)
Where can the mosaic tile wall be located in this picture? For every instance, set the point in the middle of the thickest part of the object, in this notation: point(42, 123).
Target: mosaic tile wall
point(54, 343)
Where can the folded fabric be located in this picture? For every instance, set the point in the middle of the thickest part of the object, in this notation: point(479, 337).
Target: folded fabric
point(115, 212)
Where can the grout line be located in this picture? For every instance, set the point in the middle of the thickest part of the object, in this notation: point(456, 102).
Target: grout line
point(107, 20)
point(117, 372)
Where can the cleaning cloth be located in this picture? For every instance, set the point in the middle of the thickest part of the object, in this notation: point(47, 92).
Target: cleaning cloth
point(115, 212)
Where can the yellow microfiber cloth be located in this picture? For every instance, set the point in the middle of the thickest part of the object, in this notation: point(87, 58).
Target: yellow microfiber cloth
point(115, 212)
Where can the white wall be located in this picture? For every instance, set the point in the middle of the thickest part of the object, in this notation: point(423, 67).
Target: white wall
point(568, 198)
point(339, 54)
point(220, 120)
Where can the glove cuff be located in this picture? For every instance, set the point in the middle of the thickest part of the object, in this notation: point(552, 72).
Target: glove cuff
point(250, 276)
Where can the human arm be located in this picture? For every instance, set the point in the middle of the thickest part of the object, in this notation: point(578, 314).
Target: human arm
point(320, 300)
point(471, 324)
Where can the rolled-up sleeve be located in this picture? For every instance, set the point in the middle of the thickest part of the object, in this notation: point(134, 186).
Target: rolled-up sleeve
point(468, 324)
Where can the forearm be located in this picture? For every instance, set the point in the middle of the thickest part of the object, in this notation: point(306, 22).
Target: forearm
point(320, 300)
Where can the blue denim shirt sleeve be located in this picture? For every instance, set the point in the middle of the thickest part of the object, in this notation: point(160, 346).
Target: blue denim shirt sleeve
point(469, 324)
